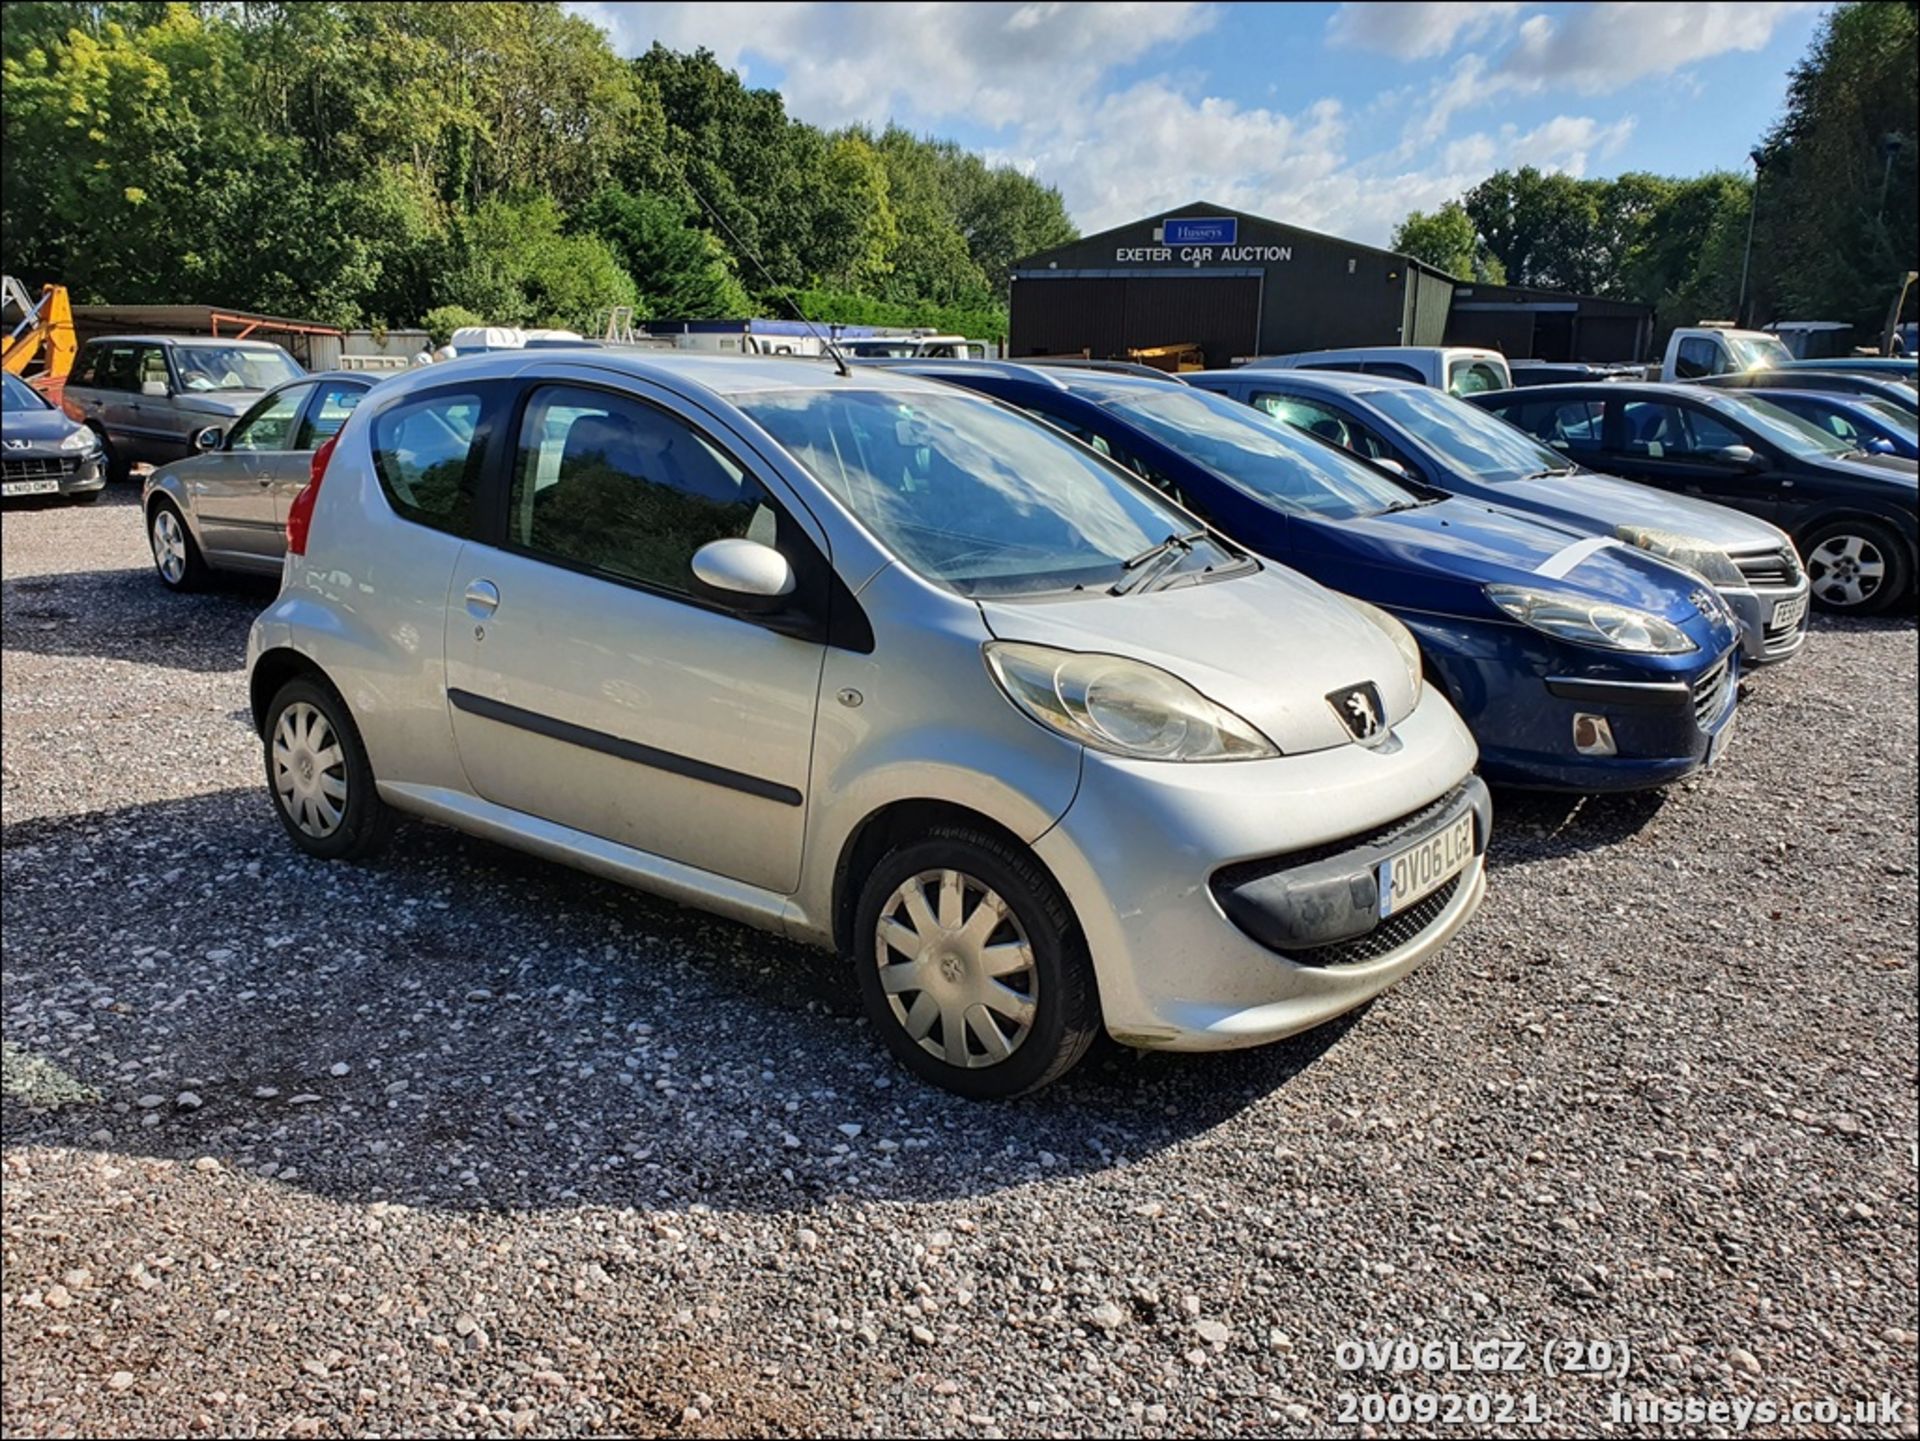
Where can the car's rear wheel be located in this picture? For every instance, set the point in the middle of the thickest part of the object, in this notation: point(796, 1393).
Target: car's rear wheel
point(317, 772)
point(1856, 567)
point(175, 556)
point(972, 967)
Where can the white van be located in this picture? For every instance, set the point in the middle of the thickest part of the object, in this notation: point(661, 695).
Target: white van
point(1697, 351)
point(1460, 369)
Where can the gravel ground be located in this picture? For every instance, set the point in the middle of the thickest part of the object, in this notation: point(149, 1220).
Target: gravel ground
point(465, 1143)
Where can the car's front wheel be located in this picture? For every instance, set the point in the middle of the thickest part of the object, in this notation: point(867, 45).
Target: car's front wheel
point(319, 777)
point(972, 967)
point(1855, 567)
point(175, 556)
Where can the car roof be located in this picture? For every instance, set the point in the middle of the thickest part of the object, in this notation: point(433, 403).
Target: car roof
point(182, 340)
point(1644, 389)
point(722, 376)
point(1343, 382)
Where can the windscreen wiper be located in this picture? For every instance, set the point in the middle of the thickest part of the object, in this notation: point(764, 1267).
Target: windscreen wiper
point(1155, 558)
point(1545, 474)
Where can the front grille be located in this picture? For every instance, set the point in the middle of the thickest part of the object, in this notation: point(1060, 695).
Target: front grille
point(1390, 935)
point(1776, 568)
point(36, 467)
point(1229, 877)
point(1783, 637)
point(1710, 694)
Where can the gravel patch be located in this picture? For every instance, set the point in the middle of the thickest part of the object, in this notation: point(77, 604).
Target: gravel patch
point(464, 1143)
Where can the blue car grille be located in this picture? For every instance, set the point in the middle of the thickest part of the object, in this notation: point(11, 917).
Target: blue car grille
point(1710, 694)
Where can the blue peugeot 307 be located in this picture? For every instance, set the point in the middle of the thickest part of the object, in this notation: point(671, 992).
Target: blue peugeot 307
point(1579, 664)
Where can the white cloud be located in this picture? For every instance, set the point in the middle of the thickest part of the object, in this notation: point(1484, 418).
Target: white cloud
point(1604, 47)
point(1000, 64)
point(1416, 29)
point(1566, 143)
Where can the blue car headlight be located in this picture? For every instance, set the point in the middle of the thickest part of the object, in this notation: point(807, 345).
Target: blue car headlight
point(1591, 622)
point(82, 440)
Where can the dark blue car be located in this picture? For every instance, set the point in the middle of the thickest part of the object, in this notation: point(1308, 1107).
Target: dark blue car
point(1865, 422)
point(1442, 440)
point(1579, 664)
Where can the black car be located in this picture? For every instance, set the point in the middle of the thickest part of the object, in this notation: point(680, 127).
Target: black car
point(1837, 382)
point(1852, 514)
point(42, 452)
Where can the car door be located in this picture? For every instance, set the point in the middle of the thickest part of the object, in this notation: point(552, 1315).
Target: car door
point(1680, 446)
point(589, 685)
point(107, 400)
point(285, 472)
point(1345, 427)
point(149, 419)
point(232, 489)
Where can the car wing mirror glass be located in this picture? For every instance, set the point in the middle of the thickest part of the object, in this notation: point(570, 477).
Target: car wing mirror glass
point(209, 439)
point(1741, 455)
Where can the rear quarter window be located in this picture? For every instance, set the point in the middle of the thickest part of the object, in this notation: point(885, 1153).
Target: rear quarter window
point(426, 453)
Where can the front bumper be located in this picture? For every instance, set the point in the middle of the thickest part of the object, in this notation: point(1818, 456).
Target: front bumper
point(1141, 848)
point(51, 472)
point(1520, 692)
point(1762, 640)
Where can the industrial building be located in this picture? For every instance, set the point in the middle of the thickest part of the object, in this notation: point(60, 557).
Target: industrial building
point(1237, 285)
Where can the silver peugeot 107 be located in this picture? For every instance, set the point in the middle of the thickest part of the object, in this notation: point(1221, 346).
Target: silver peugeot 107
point(876, 664)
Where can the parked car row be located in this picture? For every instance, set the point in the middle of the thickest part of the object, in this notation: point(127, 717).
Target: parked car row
point(1057, 697)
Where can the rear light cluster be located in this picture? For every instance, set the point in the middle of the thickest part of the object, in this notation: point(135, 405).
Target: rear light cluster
point(300, 513)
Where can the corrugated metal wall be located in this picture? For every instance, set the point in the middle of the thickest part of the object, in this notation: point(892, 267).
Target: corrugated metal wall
point(1110, 316)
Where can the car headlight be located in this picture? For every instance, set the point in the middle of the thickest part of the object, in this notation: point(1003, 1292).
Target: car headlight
point(1401, 637)
point(82, 439)
point(1714, 566)
point(1591, 622)
point(1122, 706)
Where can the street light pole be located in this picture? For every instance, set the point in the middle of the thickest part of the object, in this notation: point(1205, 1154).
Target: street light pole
point(1746, 260)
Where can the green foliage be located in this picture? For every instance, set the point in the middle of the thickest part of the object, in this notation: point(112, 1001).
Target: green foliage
point(441, 321)
point(841, 307)
point(383, 160)
point(1447, 240)
point(1837, 216)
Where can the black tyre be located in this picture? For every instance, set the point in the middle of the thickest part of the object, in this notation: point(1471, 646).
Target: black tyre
point(118, 468)
point(176, 559)
point(318, 776)
point(972, 967)
point(1856, 567)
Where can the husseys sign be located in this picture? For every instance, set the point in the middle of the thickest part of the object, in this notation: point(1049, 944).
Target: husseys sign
point(1199, 240)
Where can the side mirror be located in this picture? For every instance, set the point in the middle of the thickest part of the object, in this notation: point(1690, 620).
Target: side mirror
point(752, 578)
point(153, 387)
point(1393, 465)
point(1740, 455)
point(1878, 445)
point(209, 439)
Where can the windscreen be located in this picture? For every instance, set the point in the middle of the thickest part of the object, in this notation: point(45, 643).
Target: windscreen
point(232, 367)
point(973, 495)
point(1466, 437)
point(18, 394)
point(1263, 456)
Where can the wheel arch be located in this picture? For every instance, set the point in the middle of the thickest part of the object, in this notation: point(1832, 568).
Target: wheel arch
point(273, 670)
point(900, 821)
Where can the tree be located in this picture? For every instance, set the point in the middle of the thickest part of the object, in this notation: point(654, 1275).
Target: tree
point(1447, 240)
point(680, 271)
point(1837, 212)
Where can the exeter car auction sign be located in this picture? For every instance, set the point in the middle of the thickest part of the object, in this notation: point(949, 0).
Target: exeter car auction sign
point(1199, 240)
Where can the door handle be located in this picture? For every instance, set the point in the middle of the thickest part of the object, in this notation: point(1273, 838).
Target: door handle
point(483, 598)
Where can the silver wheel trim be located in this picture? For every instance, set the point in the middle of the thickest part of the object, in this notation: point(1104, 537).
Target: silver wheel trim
point(309, 770)
point(1846, 570)
point(957, 969)
point(169, 545)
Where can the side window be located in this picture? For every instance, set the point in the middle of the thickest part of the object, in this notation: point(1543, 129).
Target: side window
point(1698, 356)
point(116, 369)
point(1652, 428)
point(1306, 415)
point(1119, 455)
point(1706, 433)
point(87, 372)
point(1396, 370)
point(616, 486)
point(150, 364)
point(1075, 429)
point(1573, 426)
point(337, 401)
point(269, 425)
point(425, 455)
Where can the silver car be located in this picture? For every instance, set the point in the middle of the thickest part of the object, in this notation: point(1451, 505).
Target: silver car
point(875, 664)
point(225, 508)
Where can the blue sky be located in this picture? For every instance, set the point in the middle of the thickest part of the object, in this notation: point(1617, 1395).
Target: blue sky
point(1340, 117)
